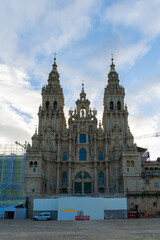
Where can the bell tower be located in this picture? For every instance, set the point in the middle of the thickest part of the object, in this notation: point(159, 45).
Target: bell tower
point(51, 114)
point(115, 113)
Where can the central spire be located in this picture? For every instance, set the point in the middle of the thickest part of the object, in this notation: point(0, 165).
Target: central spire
point(82, 94)
point(112, 66)
point(54, 65)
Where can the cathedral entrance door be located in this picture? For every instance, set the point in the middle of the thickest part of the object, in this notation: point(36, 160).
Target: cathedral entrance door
point(78, 187)
point(87, 187)
point(82, 183)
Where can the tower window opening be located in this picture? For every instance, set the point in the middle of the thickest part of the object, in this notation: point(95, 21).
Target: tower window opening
point(55, 105)
point(127, 163)
point(118, 105)
point(31, 164)
point(35, 164)
point(47, 105)
point(111, 105)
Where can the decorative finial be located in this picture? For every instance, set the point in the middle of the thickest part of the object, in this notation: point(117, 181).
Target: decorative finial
point(82, 85)
point(112, 57)
point(55, 54)
point(112, 64)
point(36, 129)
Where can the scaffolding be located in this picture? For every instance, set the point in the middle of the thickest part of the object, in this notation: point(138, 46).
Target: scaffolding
point(12, 164)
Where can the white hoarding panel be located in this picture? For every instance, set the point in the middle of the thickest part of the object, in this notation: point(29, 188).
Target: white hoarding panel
point(45, 204)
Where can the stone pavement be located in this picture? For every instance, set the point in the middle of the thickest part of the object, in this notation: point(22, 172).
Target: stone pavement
point(115, 229)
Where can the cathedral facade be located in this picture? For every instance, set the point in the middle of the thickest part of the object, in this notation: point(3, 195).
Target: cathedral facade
point(83, 157)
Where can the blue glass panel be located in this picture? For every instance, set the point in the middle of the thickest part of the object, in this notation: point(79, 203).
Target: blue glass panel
point(78, 176)
point(86, 175)
point(100, 157)
point(82, 154)
point(64, 178)
point(101, 179)
point(65, 156)
point(82, 138)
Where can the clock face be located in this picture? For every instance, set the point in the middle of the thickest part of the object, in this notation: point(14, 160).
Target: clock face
point(53, 74)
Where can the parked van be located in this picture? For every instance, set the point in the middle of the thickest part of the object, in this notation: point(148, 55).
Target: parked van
point(42, 216)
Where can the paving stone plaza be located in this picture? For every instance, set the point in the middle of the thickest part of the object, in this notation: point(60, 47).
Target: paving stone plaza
point(115, 229)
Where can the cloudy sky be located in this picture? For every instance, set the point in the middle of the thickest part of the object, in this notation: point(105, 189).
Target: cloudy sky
point(83, 34)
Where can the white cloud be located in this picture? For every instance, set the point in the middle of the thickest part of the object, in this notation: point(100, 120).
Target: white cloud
point(18, 105)
point(144, 116)
point(41, 27)
point(141, 15)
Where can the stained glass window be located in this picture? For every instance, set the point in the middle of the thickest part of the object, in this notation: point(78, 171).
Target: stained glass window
point(82, 154)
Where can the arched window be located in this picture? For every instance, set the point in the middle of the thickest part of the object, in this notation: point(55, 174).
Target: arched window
point(31, 164)
point(78, 176)
point(118, 105)
point(132, 163)
point(82, 154)
point(64, 178)
point(82, 138)
point(55, 105)
point(65, 156)
point(111, 105)
point(35, 164)
point(89, 139)
point(127, 163)
point(100, 156)
point(101, 178)
point(86, 175)
point(74, 129)
point(47, 105)
point(75, 139)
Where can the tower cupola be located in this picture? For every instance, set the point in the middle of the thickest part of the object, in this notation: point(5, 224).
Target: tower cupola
point(54, 75)
point(113, 75)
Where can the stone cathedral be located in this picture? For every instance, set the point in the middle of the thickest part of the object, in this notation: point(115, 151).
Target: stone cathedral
point(83, 157)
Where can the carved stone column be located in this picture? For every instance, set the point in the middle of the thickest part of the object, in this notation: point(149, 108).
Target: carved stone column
point(58, 162)
point(106, 165)
point(57, 188)
point(69, 164)
point(95, 164)
point(69, 178)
